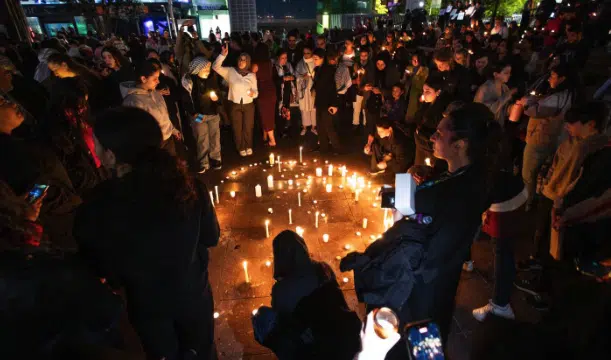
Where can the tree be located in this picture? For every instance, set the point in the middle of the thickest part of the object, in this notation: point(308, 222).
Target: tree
point(380, 9)
point(506, 7)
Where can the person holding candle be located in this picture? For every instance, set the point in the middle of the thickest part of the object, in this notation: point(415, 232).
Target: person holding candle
point(201, 102)
point(495, 93)
point(148, 230)
point(362, 67)
point(414, 78)
point(389, 151)
point(284, 78)
point(242, 91)
point(305, 79)
point(305, 297)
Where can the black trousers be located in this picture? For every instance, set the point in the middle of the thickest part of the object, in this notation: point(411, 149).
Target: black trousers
point(326, 129)
point(504, 271)
point(542, 233)
point(243, 121)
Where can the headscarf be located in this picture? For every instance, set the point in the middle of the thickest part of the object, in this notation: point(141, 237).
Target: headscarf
point(291, 255)
point(246, 70)
point(195, 66)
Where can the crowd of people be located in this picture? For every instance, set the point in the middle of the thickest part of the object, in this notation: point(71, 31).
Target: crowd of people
point(102, 139)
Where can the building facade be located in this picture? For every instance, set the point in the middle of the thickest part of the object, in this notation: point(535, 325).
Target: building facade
point(243, 15)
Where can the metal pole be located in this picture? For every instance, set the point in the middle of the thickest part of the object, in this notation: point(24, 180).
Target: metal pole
point(171, 16)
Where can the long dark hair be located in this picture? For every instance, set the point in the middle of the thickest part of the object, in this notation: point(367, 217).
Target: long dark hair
point(147, 68)
point(120, 59)
point(69, 104)
point(135, 138)
point(475, 123)
point(81, 70)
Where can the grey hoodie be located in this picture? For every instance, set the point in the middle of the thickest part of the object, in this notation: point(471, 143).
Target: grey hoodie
point(149, 101)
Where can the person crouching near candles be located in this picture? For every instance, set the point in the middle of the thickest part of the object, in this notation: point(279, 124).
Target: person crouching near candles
point(202, 102)
point(309, 317)
point(242, 92)
point(389, 151)
point(147, 230)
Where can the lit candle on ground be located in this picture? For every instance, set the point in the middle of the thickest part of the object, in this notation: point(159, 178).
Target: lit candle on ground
point(346, 280)
point(325, 238)
point(216, 191)
point(270, 210)
point(347, 247)
point(232, 194)
point(279, 169)
point(317, 213)
point(268, 263)
point(318, 172)
point(344, 171)
point(245, 266)
point(271, 159)
point(301, 154)
point(299, 230)
point(356, 195)
point(331, 170)
point(328, 187)
point(212, 198)
point(290, 216)
point(267, 228)
point(427, 161)
point(365, 223)
point(258, 192)
point(299, 198)
point(254, 312)
point(270, 182)
point(290, 182)
point(216, 315)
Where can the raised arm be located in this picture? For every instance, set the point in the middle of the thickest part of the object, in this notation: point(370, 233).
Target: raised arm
point(217, 66)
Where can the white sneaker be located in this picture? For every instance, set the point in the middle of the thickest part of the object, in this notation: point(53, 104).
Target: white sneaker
point(248, 152)
point(505, 312)
point(303, 132)
point(243, 153)
point(314, 131)
point(468, 266)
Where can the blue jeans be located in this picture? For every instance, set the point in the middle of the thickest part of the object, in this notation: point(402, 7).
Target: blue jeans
point(534, 158)
point(207, 140)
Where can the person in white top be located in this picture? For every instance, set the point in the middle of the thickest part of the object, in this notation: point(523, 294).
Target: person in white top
point(500, 28)
point(305, 79)
point(242, 91)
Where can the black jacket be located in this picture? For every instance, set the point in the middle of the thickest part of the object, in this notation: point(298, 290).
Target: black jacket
point(401, 149)
point(324, 86)
point(199, 101)
point(457, 82)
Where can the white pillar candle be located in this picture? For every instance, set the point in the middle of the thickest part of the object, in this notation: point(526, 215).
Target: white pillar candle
point(427, 161)
point(328, 187)
point(300, 154)
point(317, 213)
point(290, 182)
point(325, 238)
point(271, 159)
point(331, 170)
point(216, 191)
point(290, 217)
point(365, 223)
point(245, 266)
point(279, 169)
point(212, 198)
point(270, 182)
point(258, 191)
point(344, 171)
point(267, 228)
point(356, 194)
point(318, 172)
point(299, 199)
point(232, 193)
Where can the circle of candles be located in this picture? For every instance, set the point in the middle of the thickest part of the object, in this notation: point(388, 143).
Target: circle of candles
point(216, 315)
point(345, 280)
point(325, 238)
point(232, 194)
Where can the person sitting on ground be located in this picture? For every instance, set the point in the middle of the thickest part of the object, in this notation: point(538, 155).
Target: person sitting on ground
point(309, 317)
point(389, 151)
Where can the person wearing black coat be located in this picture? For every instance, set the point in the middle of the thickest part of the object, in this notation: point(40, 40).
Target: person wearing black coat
point(456, 78)
point(390, 152)
point(326, 100)
point(148, 231)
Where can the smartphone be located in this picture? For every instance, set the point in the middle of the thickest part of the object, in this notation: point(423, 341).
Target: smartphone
point(199, 118)
point(37, 192)
point(424, 341)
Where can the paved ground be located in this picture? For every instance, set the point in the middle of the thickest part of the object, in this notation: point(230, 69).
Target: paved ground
point(243, 218)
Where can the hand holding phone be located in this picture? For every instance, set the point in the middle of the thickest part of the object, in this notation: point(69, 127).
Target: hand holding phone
point(225, 49)
point(35, 198)
point(424, 341)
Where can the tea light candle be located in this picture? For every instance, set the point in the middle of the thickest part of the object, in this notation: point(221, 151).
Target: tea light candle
point(347, 247)
point(254, 312)
point(290, 217)
point(331, 170)
point(268, 263)
point(325, 238)
point(258, 192)
point(267, 229)
point(271, 159)
point(318, 172)
point(301, 154)
point(346, 280)
point(328, 187)
point(270, 182)
point(365, 223)
point(358, 233)
point(290, 182)
point(427, 161)
point(232, 194)
point(317, 213)
point(245, 266)
point(216, 315)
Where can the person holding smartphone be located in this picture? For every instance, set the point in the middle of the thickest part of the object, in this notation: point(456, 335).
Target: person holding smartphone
point(242, 92)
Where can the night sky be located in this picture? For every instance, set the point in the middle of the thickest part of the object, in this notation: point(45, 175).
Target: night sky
point(280, 8)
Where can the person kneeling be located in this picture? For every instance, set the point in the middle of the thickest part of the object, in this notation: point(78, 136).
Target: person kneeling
point(388, 150)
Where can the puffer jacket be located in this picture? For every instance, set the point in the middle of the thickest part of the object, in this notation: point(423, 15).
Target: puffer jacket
point(546, 118)
point(149, 101)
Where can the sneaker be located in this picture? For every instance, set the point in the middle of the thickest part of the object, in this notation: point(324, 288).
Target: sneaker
point(203, 170)
point(249, 152)
point(314, 131)
point(529, 265)
point(468, 266)
point(505, 312)
point(243, 153)
point(530, 286)
point(303, 132)
point(217, 165)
